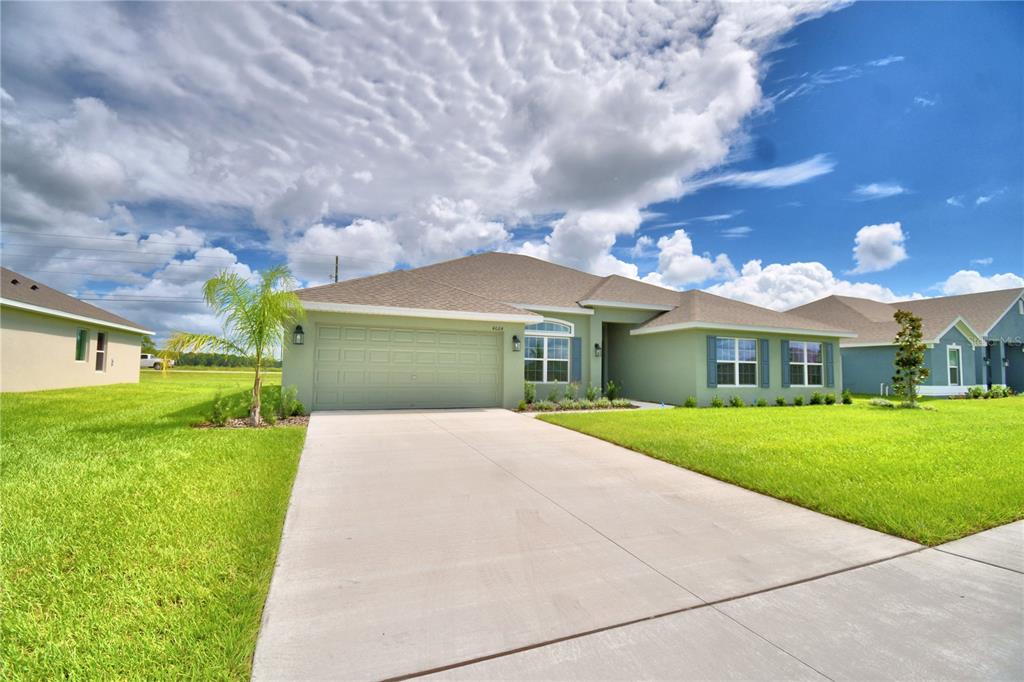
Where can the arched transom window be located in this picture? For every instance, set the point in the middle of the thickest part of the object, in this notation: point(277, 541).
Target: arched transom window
point(547, 351)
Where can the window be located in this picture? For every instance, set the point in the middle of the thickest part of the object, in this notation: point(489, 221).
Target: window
point(1020, 306)
point(953, 362)
point(81, 344)
point(805, 364)
point(101, 351)
point(737, 361)
point(547, 351)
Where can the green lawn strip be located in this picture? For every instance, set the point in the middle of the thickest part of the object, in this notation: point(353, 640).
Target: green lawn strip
point(928, 476)
point(133, 545)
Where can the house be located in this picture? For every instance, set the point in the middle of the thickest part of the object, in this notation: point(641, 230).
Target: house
point(469, 332)
point(973, 339)
point(51, 340)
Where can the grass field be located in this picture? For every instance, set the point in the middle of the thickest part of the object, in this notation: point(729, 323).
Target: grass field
point(928, 476)
point(203, 368)
point(134, 546)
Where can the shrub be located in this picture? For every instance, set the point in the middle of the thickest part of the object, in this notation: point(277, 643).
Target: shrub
point(621, 402)
point(780, 401)
point(592, 393)
point(611, 391)
point(530, 392)
point(586, 404)
point(568, 404)
point(521, 407)
point(554, 395)
point(602, 403)
point(817, 398)
point(847, 397)
point(572, 391)
point(798, 401)
point(545, 406)
point(736, 401)
point(830, 398)
point(717, 402)
point(268, 411)
point(761, 402)
point(998, 391)
point(907, 405)
point(220, 413)
point(690, 402)
point(975, 392)
point(881, 402)
point(290, 405)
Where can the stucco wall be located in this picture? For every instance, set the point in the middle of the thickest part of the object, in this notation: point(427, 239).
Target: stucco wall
point(298, 360)
point(37, 352)
point(671, 366)
point(865, 369)
point(936, 359)
point(1009, 329)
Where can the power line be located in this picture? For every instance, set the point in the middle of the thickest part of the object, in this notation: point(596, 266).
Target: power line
point(157, 264)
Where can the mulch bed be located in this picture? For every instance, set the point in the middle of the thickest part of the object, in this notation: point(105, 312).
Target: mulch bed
point(244, 423)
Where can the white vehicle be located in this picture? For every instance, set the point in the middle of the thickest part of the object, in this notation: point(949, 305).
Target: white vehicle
point(154, 361)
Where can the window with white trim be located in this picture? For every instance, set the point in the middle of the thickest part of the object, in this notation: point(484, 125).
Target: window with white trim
point(101, 352)
point(1020, 306)
point(953, 364)
point(547, 346)
point(806, 367)
point(736, 361)
point(81, 344)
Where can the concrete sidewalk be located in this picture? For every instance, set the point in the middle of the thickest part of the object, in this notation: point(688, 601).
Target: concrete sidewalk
point(481, 544)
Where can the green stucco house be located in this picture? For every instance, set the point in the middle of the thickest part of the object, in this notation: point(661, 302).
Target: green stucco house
point(469, 332)
point(973, 340)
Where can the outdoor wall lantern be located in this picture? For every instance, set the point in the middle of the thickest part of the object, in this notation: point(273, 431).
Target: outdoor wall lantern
point(298, 336)
point(516, 343)
point(1006, 360)
point(597, 350)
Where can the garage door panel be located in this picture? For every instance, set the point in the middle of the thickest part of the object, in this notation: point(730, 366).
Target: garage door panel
point(375, 367)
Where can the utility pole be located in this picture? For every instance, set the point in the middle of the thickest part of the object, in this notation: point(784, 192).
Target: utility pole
point(335, 269)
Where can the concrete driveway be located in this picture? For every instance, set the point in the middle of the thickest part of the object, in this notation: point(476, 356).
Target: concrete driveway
point(482, 544)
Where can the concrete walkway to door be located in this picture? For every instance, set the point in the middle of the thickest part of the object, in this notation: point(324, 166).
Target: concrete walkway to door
point(483, 544)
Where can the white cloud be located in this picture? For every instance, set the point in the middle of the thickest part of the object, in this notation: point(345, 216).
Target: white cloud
point(444, 123)
point(879, 190)
point(924, 101)
point(972, 281)
point(981, 261)
point(957, 201)
point(781, 176)
point(642, 247)
point(736, 232)
point(362, 247)
point(783, 286)
point(886, 61)
point(985, 198)
point(878, 247)
point(678, 265)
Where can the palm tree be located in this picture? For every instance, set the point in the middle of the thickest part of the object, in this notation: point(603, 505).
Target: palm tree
point(255, 319)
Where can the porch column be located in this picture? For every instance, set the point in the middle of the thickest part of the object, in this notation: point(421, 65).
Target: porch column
point(997, 370)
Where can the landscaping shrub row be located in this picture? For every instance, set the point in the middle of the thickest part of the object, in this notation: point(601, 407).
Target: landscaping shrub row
point(592, 398)
point(275, 403)
point(978, 393)
point(815, 399)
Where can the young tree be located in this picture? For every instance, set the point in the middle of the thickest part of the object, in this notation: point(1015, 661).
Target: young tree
point(255, 319)
point(148, 345)
point(910, 348)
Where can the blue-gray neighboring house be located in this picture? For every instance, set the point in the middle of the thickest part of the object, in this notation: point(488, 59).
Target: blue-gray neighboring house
point(973, 340)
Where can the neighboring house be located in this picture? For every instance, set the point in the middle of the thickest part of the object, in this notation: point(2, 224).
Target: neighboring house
point(51, 340)
point(469, 332)
point(973, 340)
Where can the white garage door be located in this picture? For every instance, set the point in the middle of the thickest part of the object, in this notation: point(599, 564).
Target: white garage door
point(377, 367)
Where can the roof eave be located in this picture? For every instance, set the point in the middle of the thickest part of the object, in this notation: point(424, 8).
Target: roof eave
point(742, 327)
point(323, 306)
point(628, 306)
point(568, 310)
point(53, 312)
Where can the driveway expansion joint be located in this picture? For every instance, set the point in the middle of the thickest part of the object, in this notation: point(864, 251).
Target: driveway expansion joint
point(980, 561)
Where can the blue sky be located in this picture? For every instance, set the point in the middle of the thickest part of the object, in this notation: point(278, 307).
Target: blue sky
point(774, 155)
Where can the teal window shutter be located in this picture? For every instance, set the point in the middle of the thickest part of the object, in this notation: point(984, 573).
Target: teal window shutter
point(576, 360)
point(712, 362)
point(785, 363)
point(762, 363)
point(829, 365)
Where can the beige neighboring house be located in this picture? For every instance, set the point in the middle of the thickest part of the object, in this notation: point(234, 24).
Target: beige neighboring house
point(51, 340)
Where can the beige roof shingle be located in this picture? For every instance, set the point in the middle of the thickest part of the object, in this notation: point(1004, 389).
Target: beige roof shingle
point(873, 321)
point(505, 283)
point(22, 289)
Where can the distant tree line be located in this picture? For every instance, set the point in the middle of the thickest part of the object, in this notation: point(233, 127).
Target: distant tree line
point(218, 360)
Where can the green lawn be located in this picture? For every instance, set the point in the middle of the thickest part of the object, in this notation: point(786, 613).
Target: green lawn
point(134, 546)
point(929, 476)
point(205, 368)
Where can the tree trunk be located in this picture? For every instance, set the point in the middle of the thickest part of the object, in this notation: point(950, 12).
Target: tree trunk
point(254, 410)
